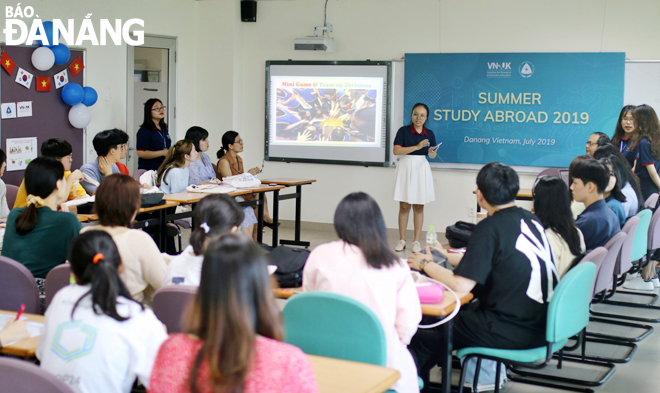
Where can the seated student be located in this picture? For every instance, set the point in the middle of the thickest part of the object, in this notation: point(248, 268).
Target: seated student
point(613, 195)
point(108, 149)
point(362, 266)
point(117, 202)
point(596, 140)
point(60, 150)
point(109, 339)
point(597, 222)
point(233, 341)
point(124, 151)
point(216, 215)
point(38, 235)
point(552, 206)
point(202, 169)
point(576, 207)
point(513, 291)
point(173, 174)
point(4, 209)
point(634, 200)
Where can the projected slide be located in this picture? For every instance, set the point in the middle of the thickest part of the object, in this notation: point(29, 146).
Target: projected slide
point(327, 112)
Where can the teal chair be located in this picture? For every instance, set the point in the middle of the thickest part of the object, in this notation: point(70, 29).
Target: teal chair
point(568, 315)
point(336, 326)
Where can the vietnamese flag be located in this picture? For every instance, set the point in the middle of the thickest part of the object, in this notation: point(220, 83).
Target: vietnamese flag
point(43, 83)
point(76, 67)
point(7, 63)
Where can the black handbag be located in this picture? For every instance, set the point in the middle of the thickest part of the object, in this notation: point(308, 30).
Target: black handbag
point(290, 262)
point(459, 233)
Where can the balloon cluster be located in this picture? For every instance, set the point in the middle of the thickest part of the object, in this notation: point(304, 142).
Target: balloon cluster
point(78, 97)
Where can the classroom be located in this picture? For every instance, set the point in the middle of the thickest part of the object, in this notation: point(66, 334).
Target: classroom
point(220, 82)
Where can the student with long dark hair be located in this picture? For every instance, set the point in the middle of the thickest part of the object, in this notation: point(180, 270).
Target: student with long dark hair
point(96, 338)
point(215, 215)
point(201, 170)
point(152, 139)
point(626, 136)
point(38, 235)
point(613, 195)
point(634, 200)
point(648, 149)
point(552, 206)
point(362, 266)
point(233, 341)
point(173, 174)
point(117, 203)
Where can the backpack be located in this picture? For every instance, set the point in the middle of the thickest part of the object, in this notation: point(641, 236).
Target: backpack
point(459, 233)
point(290, 263)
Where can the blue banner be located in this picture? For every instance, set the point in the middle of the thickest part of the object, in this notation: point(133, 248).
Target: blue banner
point(532, 109)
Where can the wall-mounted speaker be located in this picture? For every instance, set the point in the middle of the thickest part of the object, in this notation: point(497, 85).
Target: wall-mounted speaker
point(248, 11)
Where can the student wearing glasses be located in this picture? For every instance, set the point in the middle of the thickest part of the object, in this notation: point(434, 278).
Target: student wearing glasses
point(153, 140)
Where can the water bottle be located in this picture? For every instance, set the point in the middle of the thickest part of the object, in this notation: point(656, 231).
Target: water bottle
point(431, 236)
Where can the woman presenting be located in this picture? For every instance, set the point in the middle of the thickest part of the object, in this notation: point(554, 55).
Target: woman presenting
point(153, 140)
point(413, 179)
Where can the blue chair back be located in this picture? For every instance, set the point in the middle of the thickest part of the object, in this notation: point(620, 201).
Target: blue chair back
point(327, 324)
point(568, 312)
point(641, 235)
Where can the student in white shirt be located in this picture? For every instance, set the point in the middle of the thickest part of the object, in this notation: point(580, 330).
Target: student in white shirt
point(216, 215)
point(96, 338)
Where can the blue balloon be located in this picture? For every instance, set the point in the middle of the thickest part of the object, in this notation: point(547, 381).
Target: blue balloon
point(90, 96)
point(62, 53)
point(48, 28)
point(73, 94)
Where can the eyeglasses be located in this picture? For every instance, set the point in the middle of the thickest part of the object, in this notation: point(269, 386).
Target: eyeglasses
point(589, 143)
point(627, 120)
point(240, 141)
point(162, 108)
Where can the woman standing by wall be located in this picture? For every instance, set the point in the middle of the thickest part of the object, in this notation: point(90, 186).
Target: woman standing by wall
point(153, 140)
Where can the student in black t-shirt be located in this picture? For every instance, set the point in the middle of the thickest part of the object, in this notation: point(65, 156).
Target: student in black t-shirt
point(508, 266)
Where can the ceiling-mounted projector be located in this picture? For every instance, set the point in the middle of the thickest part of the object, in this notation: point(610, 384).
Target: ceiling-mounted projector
point(315, 43)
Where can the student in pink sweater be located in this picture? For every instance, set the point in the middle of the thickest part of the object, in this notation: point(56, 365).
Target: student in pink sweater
point(362, 266)
point(233, 341)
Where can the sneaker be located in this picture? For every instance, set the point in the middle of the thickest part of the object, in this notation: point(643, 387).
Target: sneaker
point(656, 282)
point(639, 284)
point(400, 246)
point(416, 247)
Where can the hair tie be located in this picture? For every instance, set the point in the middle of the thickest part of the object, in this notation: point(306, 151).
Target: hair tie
point(205, 227)
point(98, 257)
point(35, 200)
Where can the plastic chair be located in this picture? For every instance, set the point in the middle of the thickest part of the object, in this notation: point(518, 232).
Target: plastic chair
point(651, 201)
point(17, 286)
point(170, 303)
point(56, 279)
point(20, 376)
point(568, 315)
point(550, 172)
point(12, 191)
point(327, 324)
point(138, 173)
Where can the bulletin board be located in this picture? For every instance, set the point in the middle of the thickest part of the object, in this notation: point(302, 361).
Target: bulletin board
point(49, 113)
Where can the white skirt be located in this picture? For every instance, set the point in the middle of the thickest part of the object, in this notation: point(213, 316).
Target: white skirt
point(413, 181)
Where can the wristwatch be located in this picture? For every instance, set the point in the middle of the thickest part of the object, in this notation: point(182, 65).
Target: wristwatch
point(422, 263)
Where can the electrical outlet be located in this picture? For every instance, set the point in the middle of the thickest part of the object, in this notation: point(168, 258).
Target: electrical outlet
point(472, 211)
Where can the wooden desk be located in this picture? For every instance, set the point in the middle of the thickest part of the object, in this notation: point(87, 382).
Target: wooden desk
point(343, 376)
point(26, 348)
point(298, 183)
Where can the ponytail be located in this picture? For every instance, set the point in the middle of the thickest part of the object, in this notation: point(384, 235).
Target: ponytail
point(228, 138)
point(217, 215)
point(41, 177)
point(94, 260)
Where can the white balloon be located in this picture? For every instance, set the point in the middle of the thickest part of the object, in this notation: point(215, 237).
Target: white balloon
point(79, 116)
point(43, 58)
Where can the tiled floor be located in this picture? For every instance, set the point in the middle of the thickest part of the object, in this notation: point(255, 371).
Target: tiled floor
point(641, 375)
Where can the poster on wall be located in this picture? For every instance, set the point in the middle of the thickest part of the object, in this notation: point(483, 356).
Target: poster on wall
point(526, 109)
point(20, 151)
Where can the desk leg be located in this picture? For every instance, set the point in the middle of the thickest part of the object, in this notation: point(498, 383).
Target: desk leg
point(276, 216)
point(446, 349)
point(296, 241)
point(260, 219)
point(162, 230)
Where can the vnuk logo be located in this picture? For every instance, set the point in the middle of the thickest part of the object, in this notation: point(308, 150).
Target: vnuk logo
point(112, 29)
point(499, 66)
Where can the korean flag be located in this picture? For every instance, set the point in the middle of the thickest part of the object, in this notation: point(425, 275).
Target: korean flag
point(24, 78)
point(61, 79)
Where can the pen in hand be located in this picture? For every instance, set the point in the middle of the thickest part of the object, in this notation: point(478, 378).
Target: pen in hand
point(20, 312)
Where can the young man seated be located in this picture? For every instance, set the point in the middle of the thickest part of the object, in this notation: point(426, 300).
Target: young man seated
point(597, 222)
point(62, 151)
point(508, 266)
point(108, 149)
